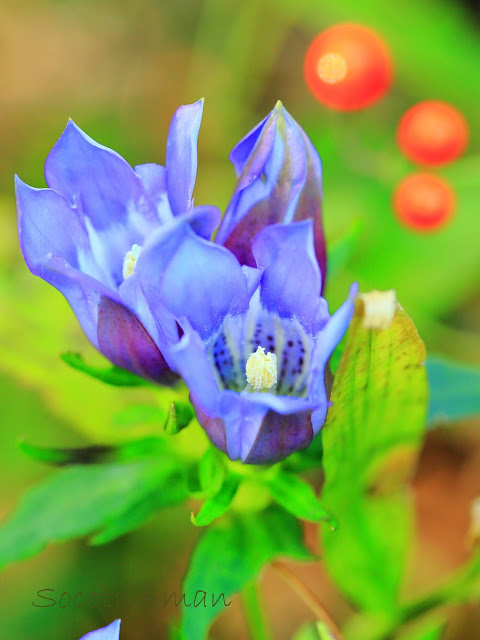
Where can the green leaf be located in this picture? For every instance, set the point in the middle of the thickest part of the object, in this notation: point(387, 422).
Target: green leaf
point(173, 491)
point(454, 390)
point(79, 501)
point(371, 441)
point(179, 417)
point(296, 496)
point(218, 504)
point(109, 375)
point(231, 554)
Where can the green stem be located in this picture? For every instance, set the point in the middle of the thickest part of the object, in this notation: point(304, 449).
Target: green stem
point(254, 615)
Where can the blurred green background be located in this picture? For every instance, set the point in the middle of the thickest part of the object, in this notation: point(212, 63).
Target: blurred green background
point(120, 70)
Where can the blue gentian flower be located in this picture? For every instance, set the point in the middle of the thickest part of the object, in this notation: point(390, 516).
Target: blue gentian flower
point(84, 233)
point(255, 340)
point(244, 324)
point(112, 632)
point(279, 180)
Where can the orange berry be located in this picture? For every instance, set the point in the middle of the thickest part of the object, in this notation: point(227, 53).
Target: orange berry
point(348, 67)
point(424, 201)
point(432, 133)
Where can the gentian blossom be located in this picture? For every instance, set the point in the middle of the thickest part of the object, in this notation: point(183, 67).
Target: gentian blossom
point(255, 340)
point(84, 233)
point(112, 632)
point(240, 319)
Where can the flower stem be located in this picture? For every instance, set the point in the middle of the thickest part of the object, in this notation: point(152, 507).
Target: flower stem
point(309, 598)
point(254, 615)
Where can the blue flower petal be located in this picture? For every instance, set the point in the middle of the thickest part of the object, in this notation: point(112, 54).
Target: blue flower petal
point(191, 278)
point(47, 226)
point(154, 180)
point(248, 167)
point(182, 156)
point(124, 341)
point(112, 632)
point(242, 421)
point(327, 341)
point(310, 201)
point(189, 358)
point(291, 280)
point(55, 247)
point(253, 421)
point(204, 220)
point(279, 436)
point(253, 277)
point(106, 192)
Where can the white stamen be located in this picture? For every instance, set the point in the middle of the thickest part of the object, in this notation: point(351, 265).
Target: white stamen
point(261, 369)
point(379, 309)
point(130, 260)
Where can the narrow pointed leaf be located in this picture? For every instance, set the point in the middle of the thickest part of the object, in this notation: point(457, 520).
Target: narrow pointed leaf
point(173, 491)
point(80, 501)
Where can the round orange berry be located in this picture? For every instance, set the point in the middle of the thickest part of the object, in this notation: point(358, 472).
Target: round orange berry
point(348, 67)
point(424, 201)
point(432, 133)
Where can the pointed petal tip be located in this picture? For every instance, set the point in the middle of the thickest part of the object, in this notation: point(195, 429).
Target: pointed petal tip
point(279, 109)
point(22, 187)
point(71, 125)
point(198, 105)
point(71, 130)
point(110, 632)
point(353, 291)
point(115, 628)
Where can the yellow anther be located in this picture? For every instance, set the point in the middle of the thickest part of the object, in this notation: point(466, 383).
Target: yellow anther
point(332, 68)
point(261, 369)
point(379, 309)
point(130, 260)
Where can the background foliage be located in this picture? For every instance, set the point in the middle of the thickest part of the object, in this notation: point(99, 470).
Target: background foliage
point(120, 70)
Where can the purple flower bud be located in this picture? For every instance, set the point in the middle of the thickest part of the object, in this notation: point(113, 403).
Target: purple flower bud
point(279, 180)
